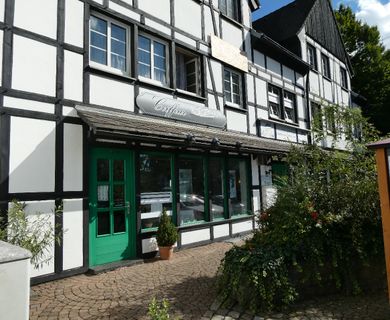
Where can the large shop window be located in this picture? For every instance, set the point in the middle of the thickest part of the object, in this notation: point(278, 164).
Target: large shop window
point(155, 188)
point(233, 87)
point(230, 8)
point(238, 187)
point(187, 71)
point(109, 44)
point(216, 188)
point(284, 109)
point(191, 188)
point(152, 59)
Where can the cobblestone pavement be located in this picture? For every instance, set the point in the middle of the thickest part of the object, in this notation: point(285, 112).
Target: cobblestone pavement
point(188, 281)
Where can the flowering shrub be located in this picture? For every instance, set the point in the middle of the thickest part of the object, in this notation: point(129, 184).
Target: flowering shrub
point(324, 226)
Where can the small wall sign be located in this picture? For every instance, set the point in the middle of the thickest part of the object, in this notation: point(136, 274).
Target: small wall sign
point(173, 109)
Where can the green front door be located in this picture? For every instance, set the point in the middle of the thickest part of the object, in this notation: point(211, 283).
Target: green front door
point(111, 209)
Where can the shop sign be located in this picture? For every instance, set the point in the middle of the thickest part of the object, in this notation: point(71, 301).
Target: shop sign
point(178, 110)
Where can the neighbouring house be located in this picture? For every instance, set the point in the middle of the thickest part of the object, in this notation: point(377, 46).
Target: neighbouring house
point(118, 109)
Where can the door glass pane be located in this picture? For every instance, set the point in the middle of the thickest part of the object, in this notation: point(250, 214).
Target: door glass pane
point(191, 186)
point(119, 195)
point(238, 187)
point(216, 188)
point(119, 221)
point(103, 196)
point(103, 170)
point(119, 170)
point(155, 187)
point(103, 223)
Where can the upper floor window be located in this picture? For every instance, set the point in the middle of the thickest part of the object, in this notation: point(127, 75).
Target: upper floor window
point(230, 8)
point(187, 71)
point(109, 44)
point(233, 87)
point(325, 66)
point(282, 104)
point(312, 56)
point(317, 117)
point(152, 59)
point(343, 78)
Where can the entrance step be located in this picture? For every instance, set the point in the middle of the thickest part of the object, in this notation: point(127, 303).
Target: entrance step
point(113, 265)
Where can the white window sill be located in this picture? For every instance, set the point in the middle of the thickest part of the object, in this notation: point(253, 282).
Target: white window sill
point(189, 93)
point(108, 69)
point(153, 82)
point(234, 106)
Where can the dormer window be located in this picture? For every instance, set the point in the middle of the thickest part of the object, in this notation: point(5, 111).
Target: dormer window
point(312, 56)
point(325, 66)
point(343, 78)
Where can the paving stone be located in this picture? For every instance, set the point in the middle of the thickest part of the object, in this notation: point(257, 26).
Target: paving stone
point(234, 314)
point(217, 317)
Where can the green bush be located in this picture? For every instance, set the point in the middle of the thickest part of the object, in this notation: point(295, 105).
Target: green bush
point(323, 229)
point(167, 232)
point(158, 310)
point(36, 235)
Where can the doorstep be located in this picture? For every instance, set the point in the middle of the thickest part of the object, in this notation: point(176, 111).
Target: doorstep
point(113, 265)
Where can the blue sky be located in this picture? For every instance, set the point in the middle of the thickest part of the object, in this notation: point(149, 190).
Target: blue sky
point(373, 12)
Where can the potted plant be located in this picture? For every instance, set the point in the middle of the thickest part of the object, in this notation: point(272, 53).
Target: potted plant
point(166, 236)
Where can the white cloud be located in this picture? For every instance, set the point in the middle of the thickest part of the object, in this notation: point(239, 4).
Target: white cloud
point(373, 12)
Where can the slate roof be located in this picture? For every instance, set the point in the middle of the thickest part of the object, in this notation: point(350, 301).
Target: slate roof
point(121, 124)
point(285, 22)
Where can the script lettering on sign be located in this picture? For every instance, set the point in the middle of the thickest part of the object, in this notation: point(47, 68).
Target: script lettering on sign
point(171, 108)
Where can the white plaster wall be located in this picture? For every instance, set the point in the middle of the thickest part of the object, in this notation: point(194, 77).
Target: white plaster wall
point(188, 41)
point(69, 112)
point(232, 34)
point(236, 121)
point(286, 133)
point(302, 137)
point(242, 226)
point(15, 289)
point(121, 94)
point(39, 16)
point(32, 155)
point(328, 90)
point(73, 76)
point(73, 157)
point(44, 209)
point(124, 11)
point(195, 236)
point(314, 85)
point(209, 28)
point(250, 88)
point(262, 113)
point(74, 22)
point(261, 92)
point(31, 105)
point(73, 233)
point(300, 79)
point(160, 9)
point(267, 130)
point(157, 26)
point(2, 9)
point(149, 245)
point(34, 66)
point(216, 68)
point(221, 231)
point(301, 107)
point(252, 120)
point(190, 23)
point(246, 14)
point(255, 172)
point(345, 97)
point(256, 200)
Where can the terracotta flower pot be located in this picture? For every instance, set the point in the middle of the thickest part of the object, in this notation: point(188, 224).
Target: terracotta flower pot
point(166, 252)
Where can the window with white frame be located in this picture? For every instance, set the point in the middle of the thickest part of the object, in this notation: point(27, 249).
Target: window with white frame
point(282, 104)
point(152, 59)
point(109, 43)
point(325, 66)
point(232, 87)
point(230, 8)
point(312, 56)
point(343, 78)
point(275, 101)
point(187, 71)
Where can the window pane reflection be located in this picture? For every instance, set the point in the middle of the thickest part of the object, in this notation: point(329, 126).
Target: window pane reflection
point(216, 188)
point(237, 187)
point(191, 186)
point(155, 187)
point(119, 221)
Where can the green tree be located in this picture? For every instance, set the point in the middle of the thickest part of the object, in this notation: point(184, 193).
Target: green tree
point(371, 64)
